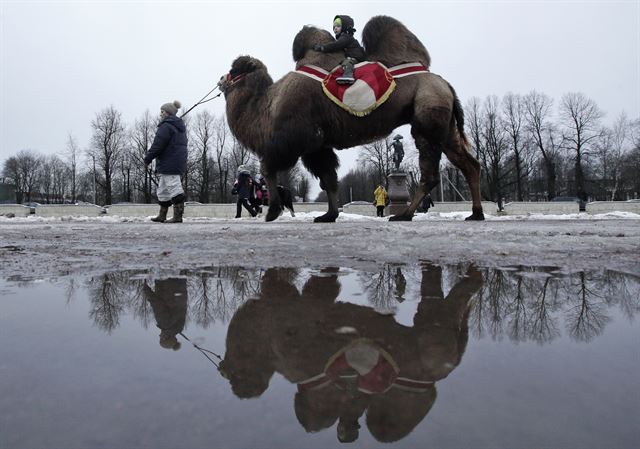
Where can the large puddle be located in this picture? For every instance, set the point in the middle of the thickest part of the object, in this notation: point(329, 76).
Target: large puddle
point(416, 356)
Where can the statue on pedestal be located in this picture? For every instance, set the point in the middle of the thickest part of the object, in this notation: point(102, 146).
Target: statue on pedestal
point(398, 151)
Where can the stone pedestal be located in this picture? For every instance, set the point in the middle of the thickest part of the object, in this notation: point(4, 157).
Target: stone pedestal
point(398, 193)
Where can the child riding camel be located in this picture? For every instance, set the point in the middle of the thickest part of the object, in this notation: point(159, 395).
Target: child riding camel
point(353, 51)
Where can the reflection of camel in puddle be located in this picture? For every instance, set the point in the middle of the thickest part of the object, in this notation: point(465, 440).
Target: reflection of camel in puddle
point(348, 359)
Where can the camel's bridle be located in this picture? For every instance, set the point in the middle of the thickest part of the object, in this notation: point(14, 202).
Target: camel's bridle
point(227, 84)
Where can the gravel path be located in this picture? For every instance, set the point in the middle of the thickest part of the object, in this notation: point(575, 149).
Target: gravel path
point(29, 250)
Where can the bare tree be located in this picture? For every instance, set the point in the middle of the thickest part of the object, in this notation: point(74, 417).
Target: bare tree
point(379, 156)
point(72, 152)
point(24, 171)
point(303, 187)
point(107, 144)
point(142, 135)
point(203, 141)
point(612, 148)
point(239, 154)
point(513, 112)
point(581, 118)
point(538, 121)
point(53, 179)
point(494, 149)
point(11, 172)
point(222, 160)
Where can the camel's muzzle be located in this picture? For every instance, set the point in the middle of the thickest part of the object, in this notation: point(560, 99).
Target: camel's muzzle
point(224, 82)
point(227, 81)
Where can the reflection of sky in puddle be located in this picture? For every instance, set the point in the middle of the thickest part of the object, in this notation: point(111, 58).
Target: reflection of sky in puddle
point(550, 358)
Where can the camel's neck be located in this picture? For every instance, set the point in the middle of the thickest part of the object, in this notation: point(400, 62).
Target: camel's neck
point(248, 108)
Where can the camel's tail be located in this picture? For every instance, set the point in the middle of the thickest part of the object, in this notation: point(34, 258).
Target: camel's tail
point(458, 114)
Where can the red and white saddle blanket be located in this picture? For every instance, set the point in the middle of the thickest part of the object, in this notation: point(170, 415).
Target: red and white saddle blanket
point(374, 84)
point(367, 367)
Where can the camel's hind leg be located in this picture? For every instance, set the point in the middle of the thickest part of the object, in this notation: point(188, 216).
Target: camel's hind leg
point(429, 159)
point(275, 208)
point(457, 153)
point(324, 165)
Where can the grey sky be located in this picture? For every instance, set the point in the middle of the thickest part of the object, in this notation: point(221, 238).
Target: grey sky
point(62, 62)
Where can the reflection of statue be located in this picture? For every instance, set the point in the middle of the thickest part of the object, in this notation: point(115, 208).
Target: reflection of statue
point(169, 304)
point(398, 151)
point(348, 359)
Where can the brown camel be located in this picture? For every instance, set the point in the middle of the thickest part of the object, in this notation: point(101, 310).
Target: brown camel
point(292, 118)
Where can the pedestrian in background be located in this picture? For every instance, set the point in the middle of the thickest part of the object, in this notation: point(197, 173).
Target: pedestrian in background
point(427, 202)
point(381, 197)
point(243, 187)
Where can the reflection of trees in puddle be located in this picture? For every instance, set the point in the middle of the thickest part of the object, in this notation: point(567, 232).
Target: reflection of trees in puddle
point(519, 303)
point(534, 304)
point(213, 295)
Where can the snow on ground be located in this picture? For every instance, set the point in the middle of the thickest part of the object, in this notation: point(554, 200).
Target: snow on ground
point(36, 247)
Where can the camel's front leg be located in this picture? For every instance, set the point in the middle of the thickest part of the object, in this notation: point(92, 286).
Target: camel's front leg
point(324, 165)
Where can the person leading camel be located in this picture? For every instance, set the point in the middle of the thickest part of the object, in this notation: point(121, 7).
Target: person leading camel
point(169, 149)
point(353, 51)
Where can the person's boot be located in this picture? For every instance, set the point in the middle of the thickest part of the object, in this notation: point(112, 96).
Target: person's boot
point(178, 209)
point(162, 215)
point(347, 74)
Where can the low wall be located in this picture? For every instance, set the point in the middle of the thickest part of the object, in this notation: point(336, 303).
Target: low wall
point(602, 207)
point(359, 209)
point(488, 207)
point(14, 210)
point(133, 210)
point(549, 207)
point(68, 210)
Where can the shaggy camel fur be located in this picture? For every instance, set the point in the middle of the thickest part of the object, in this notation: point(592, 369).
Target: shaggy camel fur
point(292, 118)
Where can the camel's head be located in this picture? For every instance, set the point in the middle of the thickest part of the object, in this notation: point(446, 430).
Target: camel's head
point(306, 38)
point(241, 67)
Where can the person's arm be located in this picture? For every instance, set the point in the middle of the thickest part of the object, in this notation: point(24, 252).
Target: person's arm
point(160, 143)
point(338, 45)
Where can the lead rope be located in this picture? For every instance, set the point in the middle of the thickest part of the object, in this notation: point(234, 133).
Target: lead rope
point(202, 100)
point(205, 352)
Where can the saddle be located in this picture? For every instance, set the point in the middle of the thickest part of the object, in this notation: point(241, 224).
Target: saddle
point(374, 84)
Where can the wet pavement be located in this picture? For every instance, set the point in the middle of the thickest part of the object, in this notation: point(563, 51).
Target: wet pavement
point(412, 355)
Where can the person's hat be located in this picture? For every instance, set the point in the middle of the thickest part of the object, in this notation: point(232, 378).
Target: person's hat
point(397, 137)
point(337, 22)
point(169, 341)
point(171, 108)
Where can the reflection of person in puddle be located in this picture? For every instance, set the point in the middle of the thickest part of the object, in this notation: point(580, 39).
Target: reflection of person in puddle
point(347, 359)
point(169, 304)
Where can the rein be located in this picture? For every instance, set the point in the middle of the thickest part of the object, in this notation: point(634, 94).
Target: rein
point(204, 352)
point(229, 84)
point(202, 100)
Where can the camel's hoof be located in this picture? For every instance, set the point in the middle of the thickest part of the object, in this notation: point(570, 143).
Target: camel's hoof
point(476, 214)
point(326, 218)
point(271, 217)
point(401, 217)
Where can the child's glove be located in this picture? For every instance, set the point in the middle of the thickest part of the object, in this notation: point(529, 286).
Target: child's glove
point(318, 47)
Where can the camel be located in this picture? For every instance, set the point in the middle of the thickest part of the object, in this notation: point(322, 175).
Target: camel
point(292, 119)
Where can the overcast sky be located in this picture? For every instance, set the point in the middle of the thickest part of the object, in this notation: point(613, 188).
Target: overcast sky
point(62, 62)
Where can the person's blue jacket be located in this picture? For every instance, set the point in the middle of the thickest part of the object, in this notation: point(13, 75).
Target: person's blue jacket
point(169, 147)
point(244, 185)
